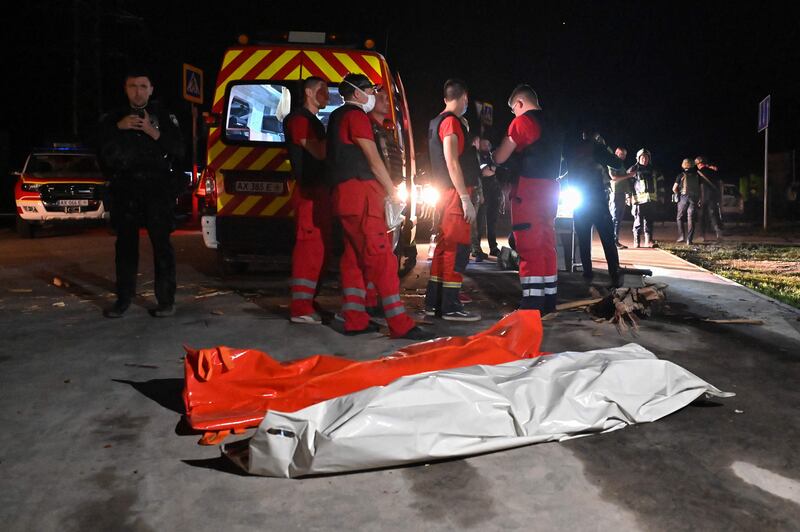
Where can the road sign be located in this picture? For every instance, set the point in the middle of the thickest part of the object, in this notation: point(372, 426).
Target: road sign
point(192, 84)
point(487, 114)
point(763, 114)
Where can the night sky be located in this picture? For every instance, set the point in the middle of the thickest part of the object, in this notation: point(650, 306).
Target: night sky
point(680, 79)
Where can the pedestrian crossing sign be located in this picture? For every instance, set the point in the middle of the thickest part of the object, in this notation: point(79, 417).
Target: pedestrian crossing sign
point(192, 84)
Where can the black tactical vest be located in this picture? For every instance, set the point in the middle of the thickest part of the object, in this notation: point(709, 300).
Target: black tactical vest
point(344, 161)
point(306, 169)
point(468, 160)
point(390, 152)
point(541, 159)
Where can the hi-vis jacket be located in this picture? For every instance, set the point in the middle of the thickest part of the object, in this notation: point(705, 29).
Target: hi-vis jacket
point(648, 185)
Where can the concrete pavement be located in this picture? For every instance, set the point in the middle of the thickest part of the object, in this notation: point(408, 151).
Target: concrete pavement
point(93, 438)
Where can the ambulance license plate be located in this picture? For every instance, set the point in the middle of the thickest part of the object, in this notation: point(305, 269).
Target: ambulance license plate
point(260, 187)
point(73, 203)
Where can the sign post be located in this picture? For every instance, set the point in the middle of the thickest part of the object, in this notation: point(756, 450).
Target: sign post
point(763, 125)
point(193, 92)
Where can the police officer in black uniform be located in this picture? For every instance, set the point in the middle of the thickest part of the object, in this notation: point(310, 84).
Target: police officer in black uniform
point(138, 145)
point(587, 170)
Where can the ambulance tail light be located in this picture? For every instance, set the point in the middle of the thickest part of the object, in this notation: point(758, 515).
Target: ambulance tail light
point(211, 119)
point(208, 189)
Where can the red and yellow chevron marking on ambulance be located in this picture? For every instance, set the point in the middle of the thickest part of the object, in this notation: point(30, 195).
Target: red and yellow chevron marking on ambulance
point(247, 182)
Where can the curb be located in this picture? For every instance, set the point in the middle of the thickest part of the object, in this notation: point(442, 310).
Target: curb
point(780, 304)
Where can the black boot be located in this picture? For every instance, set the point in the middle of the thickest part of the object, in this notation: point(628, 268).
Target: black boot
point(117, 310)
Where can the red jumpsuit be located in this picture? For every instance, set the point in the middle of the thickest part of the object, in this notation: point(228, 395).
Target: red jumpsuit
point(368, 255)
point(534, 204)
point(451, 255)
point(311, 201)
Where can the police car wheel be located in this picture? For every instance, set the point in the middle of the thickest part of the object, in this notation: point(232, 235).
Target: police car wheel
point(25, 229)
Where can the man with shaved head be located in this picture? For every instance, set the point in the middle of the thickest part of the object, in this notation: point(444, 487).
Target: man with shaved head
point(533, 149)
point(305, 139)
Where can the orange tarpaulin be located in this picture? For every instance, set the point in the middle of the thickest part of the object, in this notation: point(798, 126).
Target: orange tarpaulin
point(231, 389)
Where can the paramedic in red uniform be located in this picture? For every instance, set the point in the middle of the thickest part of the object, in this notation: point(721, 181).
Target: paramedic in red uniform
point(454, 165)
point(305, 138)
point(534, 153)
point(361, 184)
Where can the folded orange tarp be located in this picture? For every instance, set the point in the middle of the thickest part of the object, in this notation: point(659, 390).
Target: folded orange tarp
point(232, 389)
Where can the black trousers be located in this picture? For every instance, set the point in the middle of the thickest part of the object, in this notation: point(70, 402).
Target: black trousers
point(595, 213)
point(130, 212)
point(643, 220)
point(616, 207)
point(486, 219)
point(687, 206)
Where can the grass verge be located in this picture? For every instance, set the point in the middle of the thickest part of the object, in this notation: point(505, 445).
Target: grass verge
point(773, 270)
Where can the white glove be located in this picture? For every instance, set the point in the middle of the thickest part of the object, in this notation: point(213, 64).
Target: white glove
point(469, 209)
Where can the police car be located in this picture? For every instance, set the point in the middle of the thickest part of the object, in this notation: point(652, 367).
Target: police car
point(59, 184)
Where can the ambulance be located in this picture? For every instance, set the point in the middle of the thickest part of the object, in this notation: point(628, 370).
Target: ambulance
point(245, 189)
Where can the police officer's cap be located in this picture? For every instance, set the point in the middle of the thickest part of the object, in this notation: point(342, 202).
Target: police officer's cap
point(352, 81)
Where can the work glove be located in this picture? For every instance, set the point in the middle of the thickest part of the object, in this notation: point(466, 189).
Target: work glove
point(468, 208)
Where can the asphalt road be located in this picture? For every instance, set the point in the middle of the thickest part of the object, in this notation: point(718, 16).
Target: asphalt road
point(91, 411)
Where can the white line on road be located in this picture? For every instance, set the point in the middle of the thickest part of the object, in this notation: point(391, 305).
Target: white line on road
point(773, 483)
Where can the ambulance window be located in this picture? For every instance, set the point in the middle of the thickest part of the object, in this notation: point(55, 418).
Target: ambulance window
point(256, 112)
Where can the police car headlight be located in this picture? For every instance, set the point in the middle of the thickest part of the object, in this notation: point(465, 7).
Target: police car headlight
point(429, 195)
point(402, 192)
point(30, 187)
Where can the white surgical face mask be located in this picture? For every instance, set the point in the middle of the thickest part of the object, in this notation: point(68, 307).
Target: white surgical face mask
point(370, 103)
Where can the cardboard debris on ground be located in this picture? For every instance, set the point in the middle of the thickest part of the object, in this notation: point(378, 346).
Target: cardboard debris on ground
point(213, 294)
point(623, 307)
point(743, 321)
point(578, 304)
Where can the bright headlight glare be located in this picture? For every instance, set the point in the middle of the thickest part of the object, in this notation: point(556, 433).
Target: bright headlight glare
point(402, 192)
point(430, 196)
point(570, 198)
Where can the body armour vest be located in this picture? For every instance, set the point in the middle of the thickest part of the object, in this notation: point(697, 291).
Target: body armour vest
point(306, 169)
point(344, 161)
point(468, 160)
point(541, 159)
point(391, 153)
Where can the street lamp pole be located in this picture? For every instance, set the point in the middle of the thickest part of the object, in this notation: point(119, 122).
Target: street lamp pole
point(766, 160)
